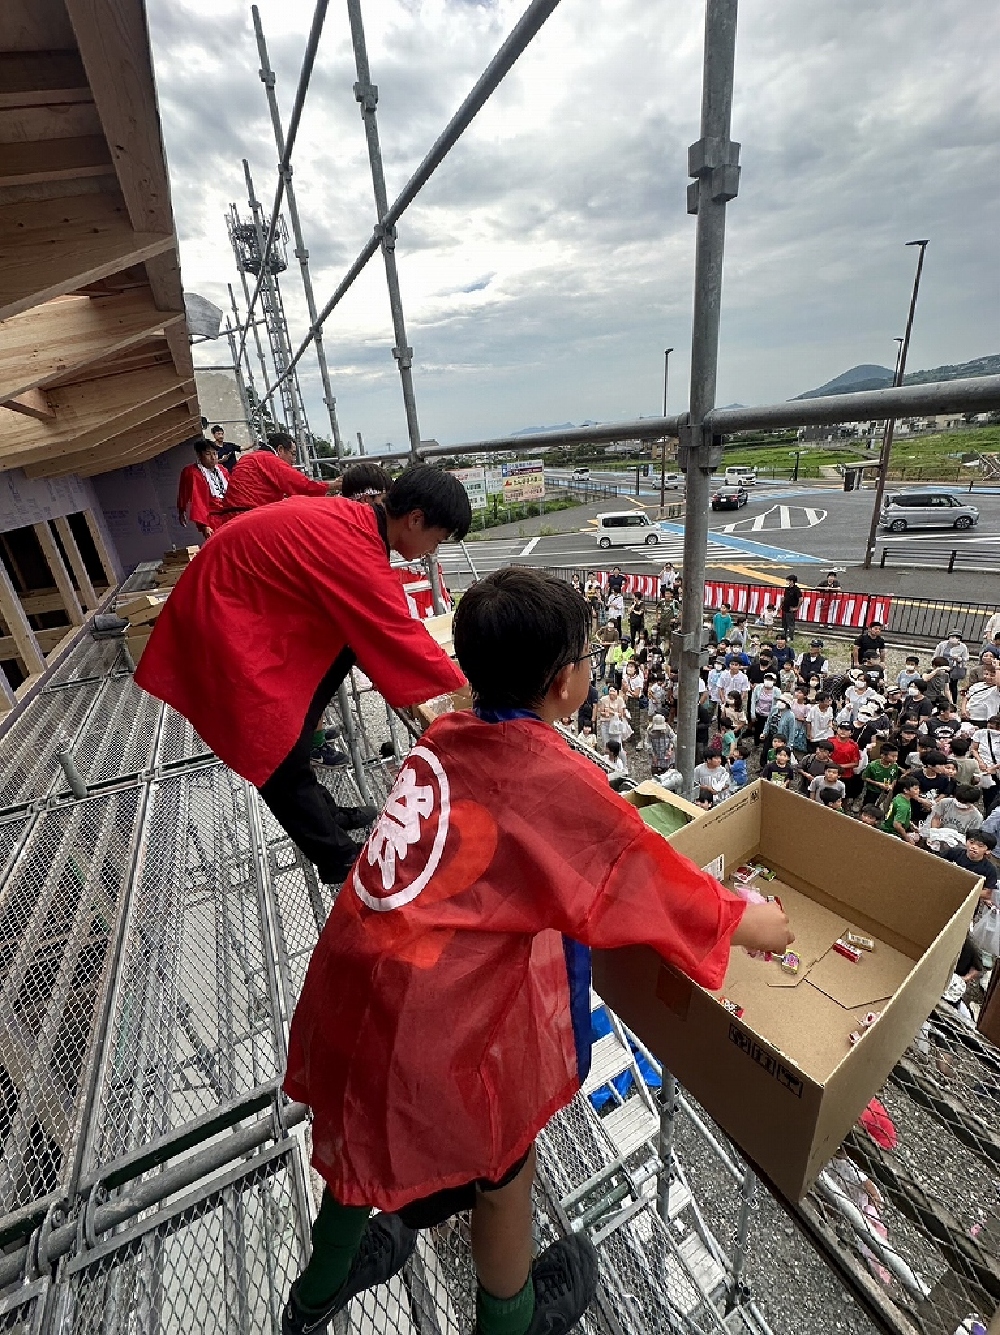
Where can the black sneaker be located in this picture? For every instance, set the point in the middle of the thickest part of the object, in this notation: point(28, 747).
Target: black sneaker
point(328, 757)
point(336, 873)
point(565, 1277)
point(385, 1248)
point(355, 818)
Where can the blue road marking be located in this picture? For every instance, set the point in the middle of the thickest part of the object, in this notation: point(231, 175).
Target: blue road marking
point(761, 549)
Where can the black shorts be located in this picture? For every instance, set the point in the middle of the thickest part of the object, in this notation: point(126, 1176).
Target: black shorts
point(435, 1209)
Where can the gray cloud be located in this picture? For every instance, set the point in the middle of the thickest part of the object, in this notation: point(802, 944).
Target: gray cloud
point(549, 261)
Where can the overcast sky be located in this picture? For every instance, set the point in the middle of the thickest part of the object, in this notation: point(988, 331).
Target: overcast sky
point(549, 261)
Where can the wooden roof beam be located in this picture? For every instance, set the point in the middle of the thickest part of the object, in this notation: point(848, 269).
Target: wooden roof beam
point(42, 78)
point(31, 403)
point(91, 412)
point(63, 337)
point(136, 456)
point(171, 419)
point(54, 246)
point(54, 160)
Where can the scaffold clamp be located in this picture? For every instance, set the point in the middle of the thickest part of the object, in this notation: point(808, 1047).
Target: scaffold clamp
point(698, 447)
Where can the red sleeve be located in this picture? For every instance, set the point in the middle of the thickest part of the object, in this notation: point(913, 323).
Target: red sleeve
point(367, 601)
point(201, 499)
point(291, 481)
point(655, 897)
point(184, 483)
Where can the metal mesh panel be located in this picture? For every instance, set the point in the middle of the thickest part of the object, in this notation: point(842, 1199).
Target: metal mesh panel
point(30, 745)
point(118, 736)
point(224, 1264)
point(301, 902)
point(88, 658)
point(22, 1313)
point(59, 905)
point(178, 740)
point(193, 1026)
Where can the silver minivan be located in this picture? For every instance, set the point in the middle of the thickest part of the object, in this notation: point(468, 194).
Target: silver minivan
point(626, 528)
point(928, 508)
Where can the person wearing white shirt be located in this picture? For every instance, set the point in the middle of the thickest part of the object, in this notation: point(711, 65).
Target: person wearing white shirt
point(733, 679)
point(819, 720)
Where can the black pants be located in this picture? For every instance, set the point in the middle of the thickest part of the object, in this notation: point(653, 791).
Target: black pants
point(301, 805)
point(788, 623)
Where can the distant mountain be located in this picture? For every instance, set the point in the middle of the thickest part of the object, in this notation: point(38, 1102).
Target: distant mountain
point(559, 426)
point(868, 376)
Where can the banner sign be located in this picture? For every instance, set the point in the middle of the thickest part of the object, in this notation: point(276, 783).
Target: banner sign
point(522, 480)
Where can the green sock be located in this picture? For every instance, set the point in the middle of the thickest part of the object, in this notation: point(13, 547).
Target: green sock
point(319, 737)
point(505, 1316)
point(336, 1236)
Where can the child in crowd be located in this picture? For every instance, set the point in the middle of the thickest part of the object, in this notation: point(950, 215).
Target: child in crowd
point(832, 798)
point(738, 771)
point(899, 820)
point(618, 758)
point(470, 905)
point(829, 779)
point(870, 815)
point(910, 672)
point(880, 775)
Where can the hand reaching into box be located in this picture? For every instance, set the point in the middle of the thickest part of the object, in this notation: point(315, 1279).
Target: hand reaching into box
point(764, 927)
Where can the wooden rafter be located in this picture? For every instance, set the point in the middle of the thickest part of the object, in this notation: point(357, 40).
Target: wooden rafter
point(176, 421)
point(42, 78)
point(81, 574)
point(55, 562)
point(55, 246)
point(62, 338)
point(55, 160)
point(30, 403)
point(95, 413)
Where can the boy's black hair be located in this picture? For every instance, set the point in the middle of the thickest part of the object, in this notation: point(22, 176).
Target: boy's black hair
point(280, 440)
point(218, 427)
point(201, 444)
point(872, 812)
point(985, 837)
point(960, 746)
point(887, 748)
point(825, 745)
point(514, 630)
point(908, 781)
point(744, 747)
point(614, 747)
point(367, 477)
point(441, 497)
point(967, 793)
point(935, 758)
point(829, 795)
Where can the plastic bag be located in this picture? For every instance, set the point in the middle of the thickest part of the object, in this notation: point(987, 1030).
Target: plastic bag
point(985, 934)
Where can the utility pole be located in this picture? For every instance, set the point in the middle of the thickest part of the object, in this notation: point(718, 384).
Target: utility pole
point(300, 252)
point(714, 162)
point(663, 456)
point(890, 426)
point(366, 94)
point(361, 445)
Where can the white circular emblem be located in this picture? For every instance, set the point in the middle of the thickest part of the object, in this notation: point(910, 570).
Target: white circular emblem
point(419, 804)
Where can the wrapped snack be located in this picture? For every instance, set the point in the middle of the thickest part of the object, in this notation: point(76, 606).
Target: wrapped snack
point(856, 1037)
point(859, 942)
point(848, 951)
point(790, 962)
point(732, 1007)
point(870, 1019)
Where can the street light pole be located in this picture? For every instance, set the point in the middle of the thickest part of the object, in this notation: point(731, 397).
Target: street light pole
point(663, 456)
point(890, 426)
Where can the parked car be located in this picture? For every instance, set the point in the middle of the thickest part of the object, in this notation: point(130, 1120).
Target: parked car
point(581, 472)
point(729, 498)
point(625, 528)
point(673, 481)
point(927, 508)
point(739, 475)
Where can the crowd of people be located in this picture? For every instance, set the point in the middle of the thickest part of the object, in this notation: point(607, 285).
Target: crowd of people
point(913, 752)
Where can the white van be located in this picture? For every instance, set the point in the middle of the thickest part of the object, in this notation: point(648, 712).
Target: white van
point(739, 475)
point(626, 528)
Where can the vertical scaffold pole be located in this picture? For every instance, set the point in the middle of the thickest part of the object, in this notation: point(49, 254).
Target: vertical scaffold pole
point(366, 94)
point(301, 253)
point(714, 162)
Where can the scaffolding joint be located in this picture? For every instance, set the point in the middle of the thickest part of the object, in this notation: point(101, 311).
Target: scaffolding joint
point(698, 447)
point(719, 160)
point(404, 356)
point(386, 236)
point(367, 95)
point(267, 78)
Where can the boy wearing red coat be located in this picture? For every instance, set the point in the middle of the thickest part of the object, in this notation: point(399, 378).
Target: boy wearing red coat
point(264, 626)
point(199, 486)
point(445, 1016)
point(266, 475)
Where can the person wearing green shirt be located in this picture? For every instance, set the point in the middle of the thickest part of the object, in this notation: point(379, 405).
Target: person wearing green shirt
point(899, 819)
point(618, 655)
point(722, 623)
point(881, 774)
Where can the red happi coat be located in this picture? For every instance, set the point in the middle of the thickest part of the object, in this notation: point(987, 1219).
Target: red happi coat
point(445, 1015)
point(257, 621)
point(194, 498)
point(261, 479)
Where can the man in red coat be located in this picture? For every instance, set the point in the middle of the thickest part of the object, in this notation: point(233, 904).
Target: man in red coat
point(264, 626)
point(199, 485)
point(266, 475)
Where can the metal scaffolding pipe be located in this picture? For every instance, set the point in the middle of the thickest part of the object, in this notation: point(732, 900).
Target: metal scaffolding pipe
point(301, 253)
point(501, 64)
point(305, 74)
point(713, 162)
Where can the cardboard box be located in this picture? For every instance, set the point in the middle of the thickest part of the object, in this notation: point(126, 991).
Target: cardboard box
point(181, 556)
point(783, 1079)
point(426, 713)
point(439, 629)
point(137, 640)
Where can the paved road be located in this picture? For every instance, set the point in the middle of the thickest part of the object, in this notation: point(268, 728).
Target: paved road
point(802, 526)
